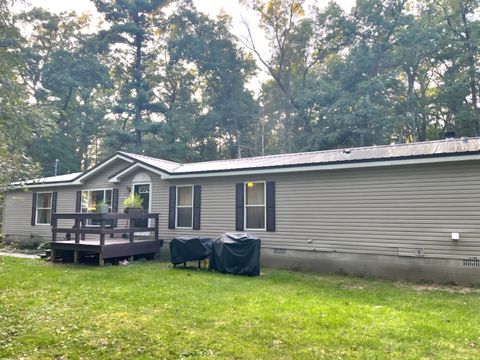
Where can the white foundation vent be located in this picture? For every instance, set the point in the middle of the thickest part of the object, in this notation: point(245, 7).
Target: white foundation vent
point(471, 262)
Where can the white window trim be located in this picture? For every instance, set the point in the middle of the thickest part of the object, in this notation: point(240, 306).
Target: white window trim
point(88, 197)
point(264, 206)
point(183, 206)
point(38, 208)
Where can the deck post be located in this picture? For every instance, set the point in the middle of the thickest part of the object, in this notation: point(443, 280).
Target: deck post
point(52, 255)
point(101, 261)
point(76, 256)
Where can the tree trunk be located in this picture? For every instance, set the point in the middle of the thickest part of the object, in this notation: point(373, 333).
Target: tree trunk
point(422, 134)
point(471, 71)
point(411, 74)
point(138, 90)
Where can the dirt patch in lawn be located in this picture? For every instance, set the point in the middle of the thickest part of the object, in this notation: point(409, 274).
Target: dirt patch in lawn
point(453, 289)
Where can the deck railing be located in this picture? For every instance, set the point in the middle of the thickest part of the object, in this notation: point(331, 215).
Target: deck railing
point(107, 225)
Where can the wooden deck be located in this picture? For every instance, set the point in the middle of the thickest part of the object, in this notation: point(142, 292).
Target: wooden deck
point(93, 239)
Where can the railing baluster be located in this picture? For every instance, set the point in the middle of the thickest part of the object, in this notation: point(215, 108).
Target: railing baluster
point(156, 226)
point(102, 235)
point(83, 227)
point(132, 233)
point(77, 231)
point(54, 227)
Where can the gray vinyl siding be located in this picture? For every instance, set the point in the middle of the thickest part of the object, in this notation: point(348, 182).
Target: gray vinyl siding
point(100, 179)
point(385, 211)
point(18, 210)
point(18, 203)
point(396, 210)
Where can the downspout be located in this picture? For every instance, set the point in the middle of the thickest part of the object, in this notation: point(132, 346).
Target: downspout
point(4, 208)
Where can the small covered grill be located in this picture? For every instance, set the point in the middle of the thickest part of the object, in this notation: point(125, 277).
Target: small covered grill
point(184, 249)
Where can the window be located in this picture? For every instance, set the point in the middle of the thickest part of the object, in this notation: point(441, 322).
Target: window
point(255, 205)
point(184, 206)
point(44, 208)
point(92, 201)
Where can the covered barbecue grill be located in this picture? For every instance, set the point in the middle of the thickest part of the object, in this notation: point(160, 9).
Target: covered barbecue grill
point(237, 253)
point(184, 249)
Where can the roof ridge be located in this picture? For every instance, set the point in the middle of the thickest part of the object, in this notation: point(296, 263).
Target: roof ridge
point(150, 157)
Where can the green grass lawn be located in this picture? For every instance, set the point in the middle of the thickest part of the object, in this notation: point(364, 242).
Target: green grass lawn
point(150, 310)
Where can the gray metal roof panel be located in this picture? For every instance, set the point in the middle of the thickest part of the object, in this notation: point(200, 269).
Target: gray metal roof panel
point(166, 165)
point(447, 147)
point(370, 153)
point(49, 179)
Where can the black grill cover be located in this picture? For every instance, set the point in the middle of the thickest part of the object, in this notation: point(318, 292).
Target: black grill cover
point(183, 249)
point(236, 254)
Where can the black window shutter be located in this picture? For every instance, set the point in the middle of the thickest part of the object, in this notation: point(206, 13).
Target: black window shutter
point(115, 204)
point(78, 203)
point(270, 205)
point(239, 209)
point(115, 201)
point(34, 208)
point(171, 207)
point(54, 203)
point(197, 197)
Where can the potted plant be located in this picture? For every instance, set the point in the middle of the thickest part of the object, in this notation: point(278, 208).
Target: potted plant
point(102, 207)
point(133, 204)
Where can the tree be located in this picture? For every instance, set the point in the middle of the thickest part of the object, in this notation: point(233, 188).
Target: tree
point(227, 109)
point(67, 82)
point(198, 74)
point(353, 86)
point(133, 26)
point(459, 56)
point(288, 31)
point(16, 114)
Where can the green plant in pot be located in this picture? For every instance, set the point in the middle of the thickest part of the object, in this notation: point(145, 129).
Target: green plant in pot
point(102, 207)
point(133, 204)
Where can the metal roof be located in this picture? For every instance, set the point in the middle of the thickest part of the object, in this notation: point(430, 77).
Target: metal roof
point(165, 165)
point(447, 147)
point(49, 179)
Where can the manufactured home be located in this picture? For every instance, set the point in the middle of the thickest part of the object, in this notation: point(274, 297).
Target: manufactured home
point(405, 211)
